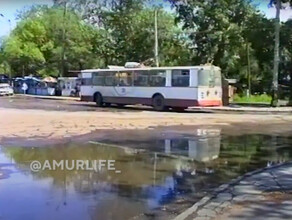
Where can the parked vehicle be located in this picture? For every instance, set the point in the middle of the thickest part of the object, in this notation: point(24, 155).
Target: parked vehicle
point(6, 89)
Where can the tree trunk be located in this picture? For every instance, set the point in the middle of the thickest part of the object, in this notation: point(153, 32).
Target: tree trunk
point(276, 55)
point(80, 66)
point(290, 98)
point(156, 39)
point(248, 69)
point(62, 70)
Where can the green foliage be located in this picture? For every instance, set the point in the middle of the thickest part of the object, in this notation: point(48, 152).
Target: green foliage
point(113, 33)
point(223, 31)
point(264, 98)
point(37, 41)
point(215, 29)
point(129, 29)
point(286, 58)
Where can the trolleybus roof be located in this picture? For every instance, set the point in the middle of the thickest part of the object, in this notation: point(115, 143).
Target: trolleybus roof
point(151, 68)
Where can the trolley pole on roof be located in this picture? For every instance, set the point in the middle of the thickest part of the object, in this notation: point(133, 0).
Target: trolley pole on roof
point(156, 39)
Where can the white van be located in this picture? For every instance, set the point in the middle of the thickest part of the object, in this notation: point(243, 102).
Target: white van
point(6, 89)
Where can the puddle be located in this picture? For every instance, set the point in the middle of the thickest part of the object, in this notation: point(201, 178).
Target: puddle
point(159, 178)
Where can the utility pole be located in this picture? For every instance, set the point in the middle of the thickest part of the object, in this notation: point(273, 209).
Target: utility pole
point(23, 71)
point(276, 55)
point(10, 32)
point(156, 39)
point(63, 40)
point(248, 69)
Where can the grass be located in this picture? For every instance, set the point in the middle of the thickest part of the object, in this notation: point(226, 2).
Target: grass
point(264, 98)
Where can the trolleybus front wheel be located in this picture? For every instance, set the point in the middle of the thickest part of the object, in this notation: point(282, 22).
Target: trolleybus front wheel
point(98, 99)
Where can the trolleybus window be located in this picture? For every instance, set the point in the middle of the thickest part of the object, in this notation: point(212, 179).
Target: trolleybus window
point(126, 78)
point(86, 81)
point(209, 78)
point(157, 78)
point(204, 77)
point(141, 78)
point(111, 78)
point(180, 78)
point(98, 78)
point(218, 78)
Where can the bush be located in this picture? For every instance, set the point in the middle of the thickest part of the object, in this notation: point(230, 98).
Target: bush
point(264, 98)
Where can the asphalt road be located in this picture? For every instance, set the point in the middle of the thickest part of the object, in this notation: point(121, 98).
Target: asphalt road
point(51, 104)
point(71, 105)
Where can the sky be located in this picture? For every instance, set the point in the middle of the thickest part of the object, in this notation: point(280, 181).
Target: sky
point(9, 9)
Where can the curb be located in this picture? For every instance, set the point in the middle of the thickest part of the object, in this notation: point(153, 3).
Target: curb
point(250, 111)
point(64, 98)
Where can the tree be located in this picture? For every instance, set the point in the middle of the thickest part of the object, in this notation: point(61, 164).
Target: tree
point(37, 41)
point(258, 32)
point(4, 66)
point(22, 49)
point(104, 33)
point(129, 31)
point(278, 5)
point(285, 74)
point(216, 30)
point(227, 32)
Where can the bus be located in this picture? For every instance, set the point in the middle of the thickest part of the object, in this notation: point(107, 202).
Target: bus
point(160, 87)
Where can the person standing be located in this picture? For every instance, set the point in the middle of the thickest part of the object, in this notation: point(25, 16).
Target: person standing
point(24, 87)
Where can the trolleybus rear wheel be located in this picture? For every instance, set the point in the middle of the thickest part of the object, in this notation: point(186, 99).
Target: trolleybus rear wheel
point(158, 103)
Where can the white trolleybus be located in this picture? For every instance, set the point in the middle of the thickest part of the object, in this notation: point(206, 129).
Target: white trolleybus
point(161, 87)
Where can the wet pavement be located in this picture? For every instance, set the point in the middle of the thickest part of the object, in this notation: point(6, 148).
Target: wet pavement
point(262, 194)
point(160, 177)
point(164, 170)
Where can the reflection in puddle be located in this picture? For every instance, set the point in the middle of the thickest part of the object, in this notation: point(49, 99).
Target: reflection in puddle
point(158, 177)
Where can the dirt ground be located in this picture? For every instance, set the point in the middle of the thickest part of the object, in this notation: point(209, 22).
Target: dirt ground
point(29, 119)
